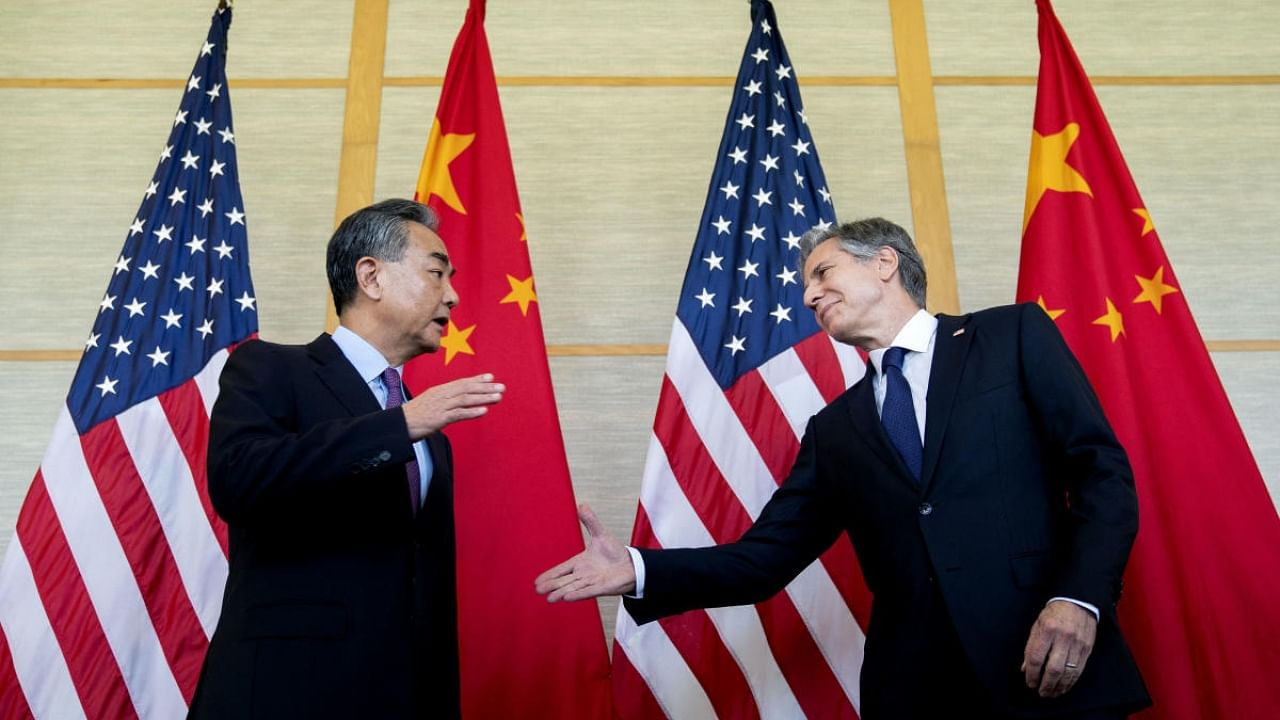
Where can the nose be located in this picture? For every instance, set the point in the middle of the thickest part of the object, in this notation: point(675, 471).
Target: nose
point(811, 295)
point(451, 298)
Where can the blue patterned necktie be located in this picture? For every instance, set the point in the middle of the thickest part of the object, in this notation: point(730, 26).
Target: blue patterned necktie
point(395, 398)
point(899, 414)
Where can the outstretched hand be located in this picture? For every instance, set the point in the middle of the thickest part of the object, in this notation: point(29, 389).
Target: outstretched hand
point(441, 405)
point(604, 568)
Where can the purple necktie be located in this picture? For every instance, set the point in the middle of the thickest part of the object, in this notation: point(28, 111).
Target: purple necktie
point(898, 415)
point(395, 398)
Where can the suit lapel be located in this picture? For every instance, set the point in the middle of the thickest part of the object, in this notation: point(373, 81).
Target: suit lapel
point(861, 406)
point(949, 351)
point(337, 374)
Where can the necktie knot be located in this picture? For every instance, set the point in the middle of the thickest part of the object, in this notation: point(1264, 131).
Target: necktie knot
point(894, 356)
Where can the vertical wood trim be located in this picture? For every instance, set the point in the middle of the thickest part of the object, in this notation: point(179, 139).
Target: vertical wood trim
point(362, 116)
point(923, 153)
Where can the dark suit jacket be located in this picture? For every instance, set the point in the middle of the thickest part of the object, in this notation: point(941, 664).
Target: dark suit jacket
point(1026, 495)
point(339, 603)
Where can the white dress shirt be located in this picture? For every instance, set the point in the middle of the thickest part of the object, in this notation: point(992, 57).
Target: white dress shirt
point(370, 363)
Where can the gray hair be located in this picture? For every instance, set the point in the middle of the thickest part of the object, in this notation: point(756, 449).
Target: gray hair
point(863, 240)
point(379, 231)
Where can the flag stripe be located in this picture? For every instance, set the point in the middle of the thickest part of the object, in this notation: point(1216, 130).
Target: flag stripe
point(32, 651)
point(207, 378)
point(694, 471)
point(717, 669)
point(807, 669)
point(98, 681)
point(633, 699)
point(164, 472)
point(842, 564)
point(764, 418)
point(149, 554)
point(717, 424)
point(12, 703)
point(103, 563)
point(818, 356)
point(185, 413)
point(661, 668)
point(795, 388)
point(853, 364)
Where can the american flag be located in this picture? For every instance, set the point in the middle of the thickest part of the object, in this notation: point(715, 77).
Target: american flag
point(746, 368)
point(111, 586)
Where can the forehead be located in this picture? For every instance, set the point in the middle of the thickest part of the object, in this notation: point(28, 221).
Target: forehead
point(824, 251)
point(425, 241)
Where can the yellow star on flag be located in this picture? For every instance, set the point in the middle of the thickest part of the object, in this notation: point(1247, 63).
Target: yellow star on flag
point(435, 179)
point(521, 292)
point(1147, 225)
point(524, 235)
point(1048, 169)
point(454, 341)
point(1053, 314)
point(1153, 289)
point(1113, 320)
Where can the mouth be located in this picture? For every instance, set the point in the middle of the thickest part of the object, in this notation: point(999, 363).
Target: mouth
point(821, 313)
point(442, 322)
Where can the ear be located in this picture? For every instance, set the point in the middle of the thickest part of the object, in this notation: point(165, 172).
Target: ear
point(886, 262)
point(368, 277)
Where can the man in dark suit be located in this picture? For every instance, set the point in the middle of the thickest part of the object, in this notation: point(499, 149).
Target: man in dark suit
point(337, 491)
point(989, 503)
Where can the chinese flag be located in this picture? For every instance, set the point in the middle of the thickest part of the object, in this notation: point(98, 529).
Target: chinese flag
point(513, 501)
point(1201, 605)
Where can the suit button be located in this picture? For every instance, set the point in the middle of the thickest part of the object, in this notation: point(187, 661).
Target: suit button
point(925, 509)
point(384, 456)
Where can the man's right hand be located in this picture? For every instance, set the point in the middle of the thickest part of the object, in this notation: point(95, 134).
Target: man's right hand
point(441, 405)
point(604, 568)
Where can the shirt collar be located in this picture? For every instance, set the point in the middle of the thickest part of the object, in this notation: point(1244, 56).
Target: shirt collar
point(915, 336)
point(364, 357)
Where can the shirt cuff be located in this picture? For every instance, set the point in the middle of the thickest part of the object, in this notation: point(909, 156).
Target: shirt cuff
point(1073, 601)
point(637, 563)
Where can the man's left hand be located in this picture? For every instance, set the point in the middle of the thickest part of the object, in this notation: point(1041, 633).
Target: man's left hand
point(1059, 647)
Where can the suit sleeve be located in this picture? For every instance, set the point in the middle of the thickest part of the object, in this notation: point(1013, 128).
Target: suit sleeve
point(793, 529)
point(1087, 461)
point(262, 460)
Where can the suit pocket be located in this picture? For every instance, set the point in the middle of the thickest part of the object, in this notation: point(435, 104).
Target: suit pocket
point(296, 620)
point(1030, 570)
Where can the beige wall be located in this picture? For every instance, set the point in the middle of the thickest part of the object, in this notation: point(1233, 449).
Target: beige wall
point(613, 176)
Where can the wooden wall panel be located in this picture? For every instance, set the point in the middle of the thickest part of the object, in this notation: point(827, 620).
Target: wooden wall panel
point(678, 39)
point(1177, 37)
point(160, 38)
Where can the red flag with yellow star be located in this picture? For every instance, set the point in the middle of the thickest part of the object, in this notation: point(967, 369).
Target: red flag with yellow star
point(1201, 606)
point(513, 501)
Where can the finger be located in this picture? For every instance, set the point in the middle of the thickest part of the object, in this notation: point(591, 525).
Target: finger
point(466, 413)
point(1033, 657)
point(1055, 671)
point(570, 591)
point(594, 527)
point(479, 397)
point(543, 581)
